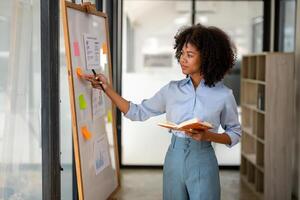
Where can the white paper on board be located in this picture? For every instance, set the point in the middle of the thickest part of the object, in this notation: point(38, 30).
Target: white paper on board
point(101, 154)
point(98, 103)
point(103, 60)
point(92, 51)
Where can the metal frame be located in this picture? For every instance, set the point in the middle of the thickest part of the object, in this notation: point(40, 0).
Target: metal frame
point(297, 88)
point(193, 12)
point(50, 99)
point(99, 5)
point(267, 25)
point(277, 22)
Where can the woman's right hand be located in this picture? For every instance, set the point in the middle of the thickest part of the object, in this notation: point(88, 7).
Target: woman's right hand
point(119, 101)
point(97, 80)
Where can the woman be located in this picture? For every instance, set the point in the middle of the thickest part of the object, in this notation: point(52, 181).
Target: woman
point(191, 170)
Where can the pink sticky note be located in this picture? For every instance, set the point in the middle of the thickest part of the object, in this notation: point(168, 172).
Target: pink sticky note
point(76, 49)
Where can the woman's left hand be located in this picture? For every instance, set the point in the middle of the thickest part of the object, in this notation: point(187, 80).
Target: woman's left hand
point(199, 135)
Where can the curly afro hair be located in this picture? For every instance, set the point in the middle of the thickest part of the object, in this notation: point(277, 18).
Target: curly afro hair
point(217, 52)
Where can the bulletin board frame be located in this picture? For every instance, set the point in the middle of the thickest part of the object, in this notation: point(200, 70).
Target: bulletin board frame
point(90, 10)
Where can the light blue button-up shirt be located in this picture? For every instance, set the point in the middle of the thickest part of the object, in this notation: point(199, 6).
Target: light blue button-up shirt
point(181, 101)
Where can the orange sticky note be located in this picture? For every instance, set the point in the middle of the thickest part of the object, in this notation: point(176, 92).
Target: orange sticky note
point(79, 72)
point(86, 133)
point(104, 47)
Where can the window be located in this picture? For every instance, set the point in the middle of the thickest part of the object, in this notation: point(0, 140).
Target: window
point(287, 21)
point(20, 100)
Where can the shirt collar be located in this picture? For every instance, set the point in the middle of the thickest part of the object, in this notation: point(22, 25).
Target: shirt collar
point(188, 80)
point(185, 81)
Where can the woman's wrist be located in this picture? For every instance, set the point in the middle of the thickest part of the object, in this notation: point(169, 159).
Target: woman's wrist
point(207, 136)
point(108, 87)
point(216, 137)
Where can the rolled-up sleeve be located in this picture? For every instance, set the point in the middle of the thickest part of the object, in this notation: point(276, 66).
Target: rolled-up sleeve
point(154, 106)
point(230, 120)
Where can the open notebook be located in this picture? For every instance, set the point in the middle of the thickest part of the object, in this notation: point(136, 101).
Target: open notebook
point(194, 123)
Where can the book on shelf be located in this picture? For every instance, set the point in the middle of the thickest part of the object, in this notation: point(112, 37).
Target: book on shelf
point(195, 124)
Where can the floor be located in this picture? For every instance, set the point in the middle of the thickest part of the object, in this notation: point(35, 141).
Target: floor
point(146, 184)
point(136, 184)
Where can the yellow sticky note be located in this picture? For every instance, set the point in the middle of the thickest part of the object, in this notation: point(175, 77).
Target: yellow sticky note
point(86, 133)
point(79, 72)
point(82, 102)
point(104, 47)
point(109, 116)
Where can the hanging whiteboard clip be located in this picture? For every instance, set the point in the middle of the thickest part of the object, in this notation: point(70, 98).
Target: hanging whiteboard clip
point(88, 6)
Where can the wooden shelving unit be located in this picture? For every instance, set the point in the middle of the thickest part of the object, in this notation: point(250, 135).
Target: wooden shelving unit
point(265, 80)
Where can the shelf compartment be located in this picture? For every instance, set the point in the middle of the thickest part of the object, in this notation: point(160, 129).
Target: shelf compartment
point(260, 126)
point(261, 97)
point(254, 123)
point(251, 172)
point(251, 157)
point(248, 144)
point(252, 67)
point(260, 154)
point(249, 93)
point(249, 120)
point(259, 184)
point(261, 68)
point(251, 186)
point(246, 117)
point(243, 165)
point(253, 107)
point(248, 131)
point(245, 67)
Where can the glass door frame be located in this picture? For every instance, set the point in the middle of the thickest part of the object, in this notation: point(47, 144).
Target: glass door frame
point(50, 99)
